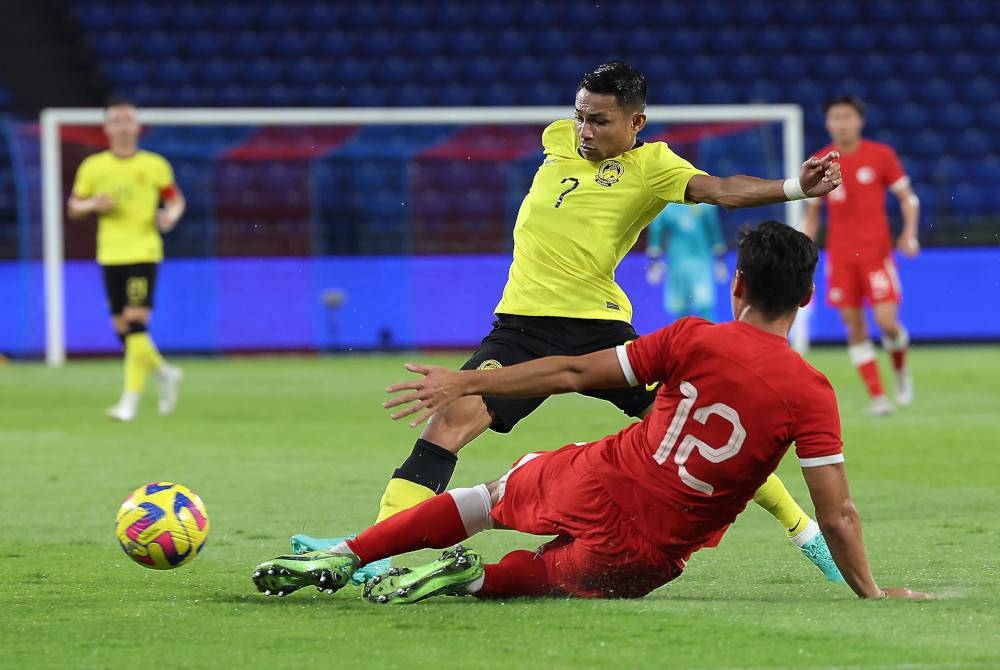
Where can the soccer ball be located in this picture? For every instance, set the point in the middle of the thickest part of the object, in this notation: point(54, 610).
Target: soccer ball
point(162, 525)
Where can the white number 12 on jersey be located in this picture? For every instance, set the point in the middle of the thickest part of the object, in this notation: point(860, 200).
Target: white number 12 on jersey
point(690, 442)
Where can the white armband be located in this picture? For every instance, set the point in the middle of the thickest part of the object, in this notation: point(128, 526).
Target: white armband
point(793, 189)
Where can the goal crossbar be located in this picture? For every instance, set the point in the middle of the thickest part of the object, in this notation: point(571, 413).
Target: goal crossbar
point(790, 117)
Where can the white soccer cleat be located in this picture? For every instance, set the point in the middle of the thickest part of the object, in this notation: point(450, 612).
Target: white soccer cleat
point(880, 406)
point(168, 379)
point(125, 409)
point(904, 387)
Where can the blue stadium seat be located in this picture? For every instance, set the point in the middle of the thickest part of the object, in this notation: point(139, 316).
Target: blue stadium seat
point(466, 43)
point(701, 68)
point(988, 116)
point(276, 15)
point(232, 16)
point(903, 38)
point(425, 43)
point(947, 170)
point(263, 71)
point(97, 16)
point(929, 143)
point(892, 93)
point(972, 11)
point(322, 16)
point(110, 45)
point(945, 39)
point(306, 72)
point(204, 44)
point(732, 40)
point(859, 40)
point(496, 13)
point(397, 70)
point(454, 14)
point(834, 67)
point(885, 12)
point(439, 70)
point(411, 95)
point(953, 116)
point(963, 65)
point(927, 11)
point(172, 72)
point(127, 72)
point(968, 198)
point(337, 43)
point(980, 91)
point(973, 145)
point(363, 15)
point(936, 91)
point(512, 42)
point(411, 16)
point(874, 66)
point(746, 67)
point(189, 17)
point(986, 37)
point(143, 16)
point(910, 117)
point(219, 71)
point(159, 44)
point(292, 43)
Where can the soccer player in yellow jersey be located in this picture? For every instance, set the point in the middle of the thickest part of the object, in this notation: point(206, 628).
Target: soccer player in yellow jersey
point(124, 187)
point(598, 186)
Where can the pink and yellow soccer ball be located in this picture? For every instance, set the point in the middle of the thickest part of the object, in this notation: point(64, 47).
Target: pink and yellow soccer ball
point(162, 525)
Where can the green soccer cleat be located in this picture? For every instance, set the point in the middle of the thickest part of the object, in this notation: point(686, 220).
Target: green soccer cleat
point(447, 576)
point(302, 543)
point(285, 574)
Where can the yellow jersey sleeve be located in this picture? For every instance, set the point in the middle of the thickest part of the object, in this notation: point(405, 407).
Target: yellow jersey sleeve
point(83, 185)
point(665, 174)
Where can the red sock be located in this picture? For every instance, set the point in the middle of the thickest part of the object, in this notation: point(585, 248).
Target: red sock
point(898, 359)
point(433, 524)
point(871, 378)
point(518, 574)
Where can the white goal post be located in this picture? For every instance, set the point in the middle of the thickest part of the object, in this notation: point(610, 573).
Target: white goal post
point(53, 198)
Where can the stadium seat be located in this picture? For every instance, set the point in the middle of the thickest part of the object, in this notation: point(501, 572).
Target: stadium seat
point(953, 116)
point(885, 12)
point(425, 43)
point(911, 117)
point(936, 91)
point(973, 144)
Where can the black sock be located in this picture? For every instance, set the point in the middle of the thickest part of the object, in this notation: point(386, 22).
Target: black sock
point(428, 465)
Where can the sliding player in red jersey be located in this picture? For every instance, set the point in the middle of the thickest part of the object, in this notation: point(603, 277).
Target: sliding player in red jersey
point(860, 267)
point(630, 509)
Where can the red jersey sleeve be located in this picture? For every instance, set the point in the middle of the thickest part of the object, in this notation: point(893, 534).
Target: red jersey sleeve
point(653, 357)
point(892, 171)
point(817, 431)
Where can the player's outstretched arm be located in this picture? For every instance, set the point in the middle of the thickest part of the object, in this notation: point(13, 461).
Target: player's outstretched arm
point(78, 207)
point(841, 525)
point(439, 387)
point(819, 176)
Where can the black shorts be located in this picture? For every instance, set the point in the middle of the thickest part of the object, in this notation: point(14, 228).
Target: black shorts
point(129, 285)
point(516, 339)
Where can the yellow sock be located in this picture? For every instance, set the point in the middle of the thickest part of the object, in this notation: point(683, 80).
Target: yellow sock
point(401, 494)
point(136, 361)
point(775, 498)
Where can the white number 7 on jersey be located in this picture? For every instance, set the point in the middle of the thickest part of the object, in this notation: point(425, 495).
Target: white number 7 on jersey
point(690, 442)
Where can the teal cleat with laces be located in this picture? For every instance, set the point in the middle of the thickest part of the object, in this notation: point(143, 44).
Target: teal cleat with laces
point(817, 551)
point(302, 543)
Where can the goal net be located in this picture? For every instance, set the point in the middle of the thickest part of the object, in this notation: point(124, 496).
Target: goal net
point(333, 229)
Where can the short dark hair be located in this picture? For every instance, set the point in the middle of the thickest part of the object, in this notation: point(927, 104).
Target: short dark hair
point(854, 101)
point(619, 79)
point(778, 264)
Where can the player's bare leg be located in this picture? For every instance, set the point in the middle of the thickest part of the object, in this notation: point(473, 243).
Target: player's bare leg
point(428, 469)
point(862, 353)
point(896, 341)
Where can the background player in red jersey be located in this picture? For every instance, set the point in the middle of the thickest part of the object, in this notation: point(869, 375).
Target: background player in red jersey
point(630, 509)
point(860, 267)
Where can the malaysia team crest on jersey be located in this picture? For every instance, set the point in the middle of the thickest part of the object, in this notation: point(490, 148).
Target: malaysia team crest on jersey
point(609, 173)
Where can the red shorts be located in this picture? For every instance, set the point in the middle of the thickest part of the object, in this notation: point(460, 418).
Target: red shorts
point(598, 552)
point(862, 281)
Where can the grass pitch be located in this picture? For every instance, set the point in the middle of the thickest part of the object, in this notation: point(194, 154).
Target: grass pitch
point(283, 445)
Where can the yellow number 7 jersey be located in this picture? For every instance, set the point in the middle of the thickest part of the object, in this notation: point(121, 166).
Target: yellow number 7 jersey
point(578, 221)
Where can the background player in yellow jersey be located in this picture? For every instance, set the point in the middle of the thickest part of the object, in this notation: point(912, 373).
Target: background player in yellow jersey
point(124, 186)
point(598, 186)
